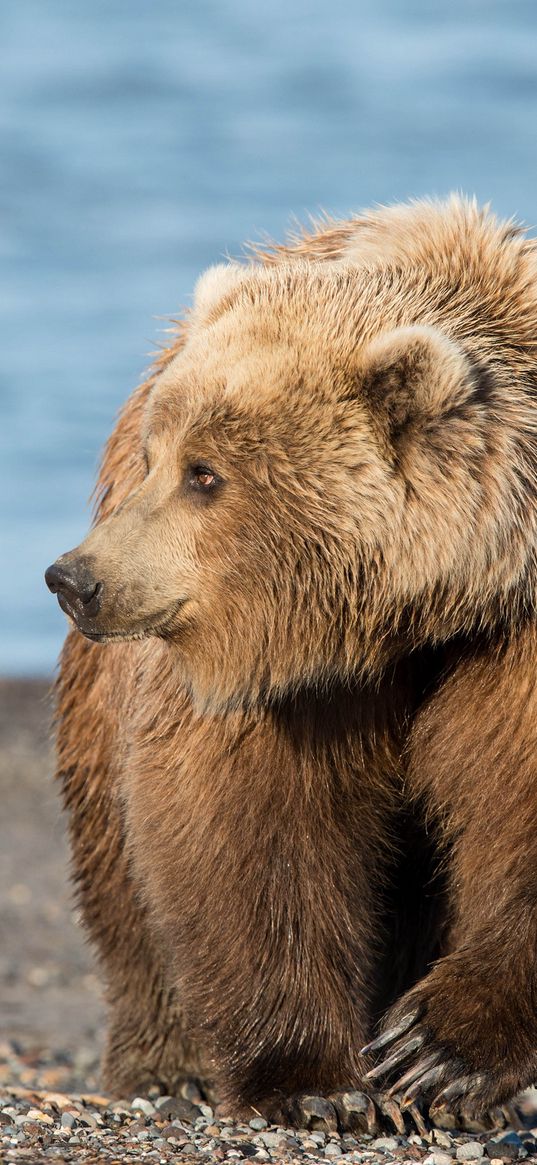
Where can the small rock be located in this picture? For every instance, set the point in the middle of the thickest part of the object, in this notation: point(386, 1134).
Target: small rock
point(470, 1151)
point(68, 1120)
point(171, 1106)
point(332, 1150)
point(389, 1144)
point(140, 1104)
point(89, 1120)
point(507, 1147)
point(258, 1123)
point(43, 1117)
point(270, 1140)
point(134, 1126)
point(173, 1132)
point(437, 1157)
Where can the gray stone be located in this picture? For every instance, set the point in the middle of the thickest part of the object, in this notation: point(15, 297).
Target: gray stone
point(386, 1143)
point(258, 1123)
point(471, 1151)
point(271, 1140)
point(172, 1106)
point(333, 1150)
point(140, 1104)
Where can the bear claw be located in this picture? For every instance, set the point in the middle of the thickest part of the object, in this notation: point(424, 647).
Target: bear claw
point(392, 1034)
point(354, 1111)
point(399, 1053)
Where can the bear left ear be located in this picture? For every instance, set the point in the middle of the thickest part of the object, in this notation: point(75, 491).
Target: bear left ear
point(414, 374)
point(215, 283)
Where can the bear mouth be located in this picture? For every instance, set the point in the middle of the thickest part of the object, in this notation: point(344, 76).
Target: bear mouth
point(161, 625)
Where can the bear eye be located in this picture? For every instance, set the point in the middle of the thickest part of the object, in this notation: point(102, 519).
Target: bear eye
point(202, 477)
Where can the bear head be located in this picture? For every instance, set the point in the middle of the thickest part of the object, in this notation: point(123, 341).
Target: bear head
point(321, 487)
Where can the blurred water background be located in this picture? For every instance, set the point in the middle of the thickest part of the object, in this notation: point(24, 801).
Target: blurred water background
point(140, 140)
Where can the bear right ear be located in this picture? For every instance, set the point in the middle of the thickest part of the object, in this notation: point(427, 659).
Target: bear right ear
point(215, 283)
point(412, 375)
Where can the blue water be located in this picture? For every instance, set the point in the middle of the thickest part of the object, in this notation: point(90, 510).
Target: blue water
point(142, 139)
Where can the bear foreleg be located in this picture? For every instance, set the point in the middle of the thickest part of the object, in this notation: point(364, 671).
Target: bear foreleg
point(466, 1035)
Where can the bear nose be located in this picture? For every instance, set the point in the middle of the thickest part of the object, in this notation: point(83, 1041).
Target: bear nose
point(75, 582)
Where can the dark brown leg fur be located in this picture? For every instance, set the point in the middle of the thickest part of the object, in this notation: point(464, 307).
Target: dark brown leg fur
point(258, 840)
point(146, 1041)
point(467, 1034)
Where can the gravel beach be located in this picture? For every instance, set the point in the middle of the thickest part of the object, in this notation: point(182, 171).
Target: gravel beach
point(51, 1018)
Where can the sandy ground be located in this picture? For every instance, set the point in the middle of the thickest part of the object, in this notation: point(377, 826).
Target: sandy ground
point(49, 993)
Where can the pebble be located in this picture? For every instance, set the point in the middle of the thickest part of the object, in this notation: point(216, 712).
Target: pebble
point(508, 1147)
point(35, 1114)
point(388, 1144)
point(438, 1157)
point(470, 1151)
point(258, 1123)
point(333, 1150)
point(172, 1106)
point(271, 1140)
point(142, 1105)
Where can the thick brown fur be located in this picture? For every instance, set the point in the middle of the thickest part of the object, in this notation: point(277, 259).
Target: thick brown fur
point(340, 634)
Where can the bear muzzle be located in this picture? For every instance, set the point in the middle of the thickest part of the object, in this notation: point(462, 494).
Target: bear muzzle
point(79, 593)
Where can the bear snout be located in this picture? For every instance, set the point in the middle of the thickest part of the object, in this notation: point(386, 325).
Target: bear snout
point(79, 592)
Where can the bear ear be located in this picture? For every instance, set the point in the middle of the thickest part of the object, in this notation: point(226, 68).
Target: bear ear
point(413, 375)
point(214, 284)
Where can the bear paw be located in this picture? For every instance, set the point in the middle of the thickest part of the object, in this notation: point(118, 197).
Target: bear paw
point(446, 1044)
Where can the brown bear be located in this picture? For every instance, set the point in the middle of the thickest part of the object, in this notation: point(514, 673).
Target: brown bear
point(300, 775)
